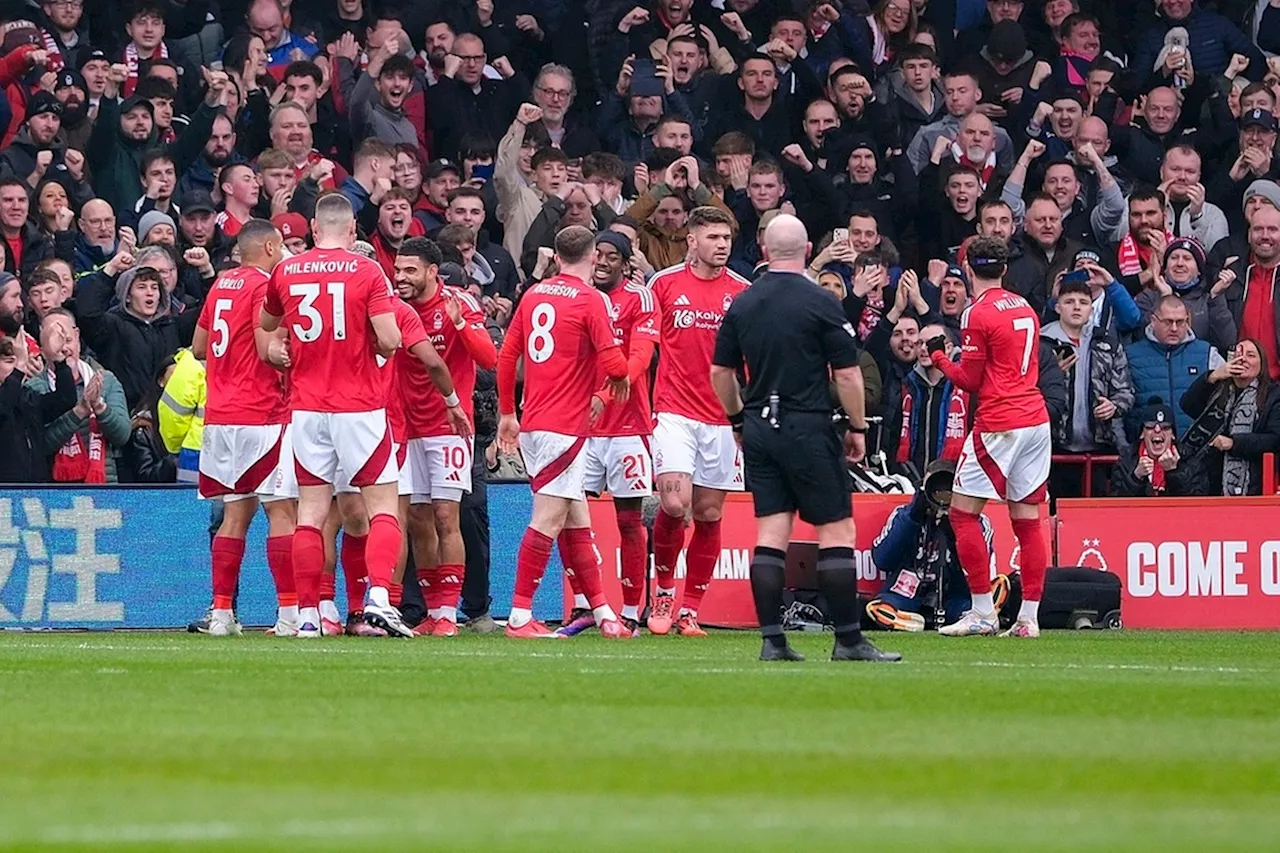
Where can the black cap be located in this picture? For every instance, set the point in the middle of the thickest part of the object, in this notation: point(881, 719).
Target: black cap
point(1007, 41)
point(1159, 412)
point(453, 275)
point(136, 101)
point(1258, 118)
point(1086, 255)
point(43, 102)
point(436, 168)
point(90, 56)
point(617, 241)
point(68, 79)
point(196, 201)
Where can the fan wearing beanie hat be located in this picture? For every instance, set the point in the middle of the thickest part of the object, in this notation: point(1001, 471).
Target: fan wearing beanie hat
point(1183, 267)
point(1154, 466)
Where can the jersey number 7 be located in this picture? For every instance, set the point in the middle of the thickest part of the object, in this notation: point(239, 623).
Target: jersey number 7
point(1027, 326)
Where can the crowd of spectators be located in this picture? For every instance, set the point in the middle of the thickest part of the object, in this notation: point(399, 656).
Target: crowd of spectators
point(1126, 152)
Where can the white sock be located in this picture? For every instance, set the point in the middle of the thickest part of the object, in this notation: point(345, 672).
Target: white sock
point(685, 611)
point(329, 610)
point(435, 612)
point(519, 617)
point(309, 614)
point(223, 615)
point(604, 613)
point(580, 602)
point(450, 613)
point(378, 596)
point(984, 604)
point(288, 613)
point(1029, 612)
point(631, 611)
point(671, 592)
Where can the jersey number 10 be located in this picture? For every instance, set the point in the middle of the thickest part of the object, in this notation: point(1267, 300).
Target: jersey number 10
point(307, 310)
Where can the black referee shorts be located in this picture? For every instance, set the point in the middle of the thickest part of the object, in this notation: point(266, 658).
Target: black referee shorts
point(799, 468)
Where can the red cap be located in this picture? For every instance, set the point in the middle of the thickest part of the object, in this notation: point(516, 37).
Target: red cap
point(290, 225)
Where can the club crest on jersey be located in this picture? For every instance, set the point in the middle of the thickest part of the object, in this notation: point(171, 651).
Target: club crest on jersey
point(728, 300)
point(437, 322)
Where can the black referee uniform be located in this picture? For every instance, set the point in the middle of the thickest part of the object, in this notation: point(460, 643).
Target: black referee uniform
point(787, 332)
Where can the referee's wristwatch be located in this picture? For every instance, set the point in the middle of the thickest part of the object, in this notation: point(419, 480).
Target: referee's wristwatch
point(736, 420)
point(861, 430)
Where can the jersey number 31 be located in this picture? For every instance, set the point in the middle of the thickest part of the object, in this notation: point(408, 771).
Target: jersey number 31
point(315, 321)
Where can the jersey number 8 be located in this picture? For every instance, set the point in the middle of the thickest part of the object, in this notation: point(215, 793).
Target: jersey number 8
point(307, 310)
point(541, 345)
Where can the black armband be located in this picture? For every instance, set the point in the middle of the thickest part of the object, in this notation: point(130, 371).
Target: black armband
point(736, 420)
point(860, 430)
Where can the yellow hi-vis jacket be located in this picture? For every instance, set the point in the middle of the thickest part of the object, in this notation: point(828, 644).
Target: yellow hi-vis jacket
point(181, 412)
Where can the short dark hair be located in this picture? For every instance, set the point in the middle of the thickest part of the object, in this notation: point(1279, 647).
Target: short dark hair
point(152, 8)
point(914, 50)
point(422, 248)
point(987, 256)
point(15, 181)
point(464, 192)
point(1075, 19)
point(1255, 88)
point(660, 158)
point(604, 165)
point(709, 215)
point(987, 203)
point(733, 142)
point(397, 194)
point(456, 235)
point(398, 64)
point(152, 157)
point(255, 232)
point(373, 147)
point(672, 118)
point(547, 155)
point(154, 87)
point(1081, 287)
point(757, 57)
point(480, 146)
point(1146, 192)
point(303, 68)
point(43, 276)
point(574, 243)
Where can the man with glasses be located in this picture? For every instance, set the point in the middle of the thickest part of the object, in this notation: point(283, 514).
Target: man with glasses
point(466, 101)
point(63, 22)
point(554, 91)
point(1168, 359)
point(1154, 466)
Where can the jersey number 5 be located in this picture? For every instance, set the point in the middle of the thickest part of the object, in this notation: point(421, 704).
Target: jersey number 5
point(309, 293)
point(221, 331)
point(541, 345)
point(1027, 326)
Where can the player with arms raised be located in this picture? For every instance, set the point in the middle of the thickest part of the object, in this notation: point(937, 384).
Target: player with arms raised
point(439, 457)
point(697, 461)
point(245, 438)
point(562, 331)
point(338, 308)
point(618, 459)
point(1007, 455)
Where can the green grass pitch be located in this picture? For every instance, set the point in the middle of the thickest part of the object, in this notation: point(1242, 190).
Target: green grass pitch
point(1078, 741)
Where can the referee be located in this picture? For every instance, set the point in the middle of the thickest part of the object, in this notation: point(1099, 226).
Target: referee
point(785, 331)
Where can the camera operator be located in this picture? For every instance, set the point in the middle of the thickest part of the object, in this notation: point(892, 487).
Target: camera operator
point(924, 584)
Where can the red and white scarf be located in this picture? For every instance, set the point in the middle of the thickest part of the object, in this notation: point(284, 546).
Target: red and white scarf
point(54, 62)
point(985, 169)
point(74, 463)
point(1157, 473)
point(957, 425)
point(132, 60)
point(1133, 257)
point(871, 314)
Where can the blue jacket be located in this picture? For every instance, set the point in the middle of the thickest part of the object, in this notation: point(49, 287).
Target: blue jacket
point(1167, 372)
point(1211, 40)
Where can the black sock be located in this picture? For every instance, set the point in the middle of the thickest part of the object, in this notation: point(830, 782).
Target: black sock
point(838, 581)
point(767, 577)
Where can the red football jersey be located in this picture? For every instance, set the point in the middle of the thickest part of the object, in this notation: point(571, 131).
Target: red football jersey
point(635, 316)
point(411, 334)
point(326, 297)
point(563, 322)
point(1000, 361)
point(229, 224)
point(691, 310)
point(427, 414)
point(242, 389)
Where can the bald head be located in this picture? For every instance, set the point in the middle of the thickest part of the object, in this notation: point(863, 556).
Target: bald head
point(786, 243)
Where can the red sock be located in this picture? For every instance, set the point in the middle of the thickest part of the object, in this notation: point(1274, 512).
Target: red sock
point(327, 584)
point(280, 562)
point(700, 563)
point(1033, 557)
point(353, 570)
point(396, 594)
point(451, 575)
point(227, 555)
point(668, 539)
point(635, 556)
point(308, 565)
point(531, 565)
point(577, 547)
point(429, 583)
point(575, 585)
point(382, 549)
point(971, 548)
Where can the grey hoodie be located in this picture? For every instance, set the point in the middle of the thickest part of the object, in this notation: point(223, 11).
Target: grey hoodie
point(1101, 370)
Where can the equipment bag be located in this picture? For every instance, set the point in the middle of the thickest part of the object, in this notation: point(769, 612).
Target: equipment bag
point(1080, 598)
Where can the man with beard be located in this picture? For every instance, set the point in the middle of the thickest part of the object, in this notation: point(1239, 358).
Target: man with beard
point(65, 27)
point(198, 227)
point(240, 188)
point(304, 86)
point(376, 102)
point(39, 149)
point(72, 90)
point(698, 75)
point(442, 177)
point(1254, 298)
point(395, 223)
point(961, 97)
point(291, 133)
point(12, 320)
point(554, 90)
point(218, 152)
point(125, 131)
point(1140, 250)
point(97, 242)
point(859, 111)
point(24, 243)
